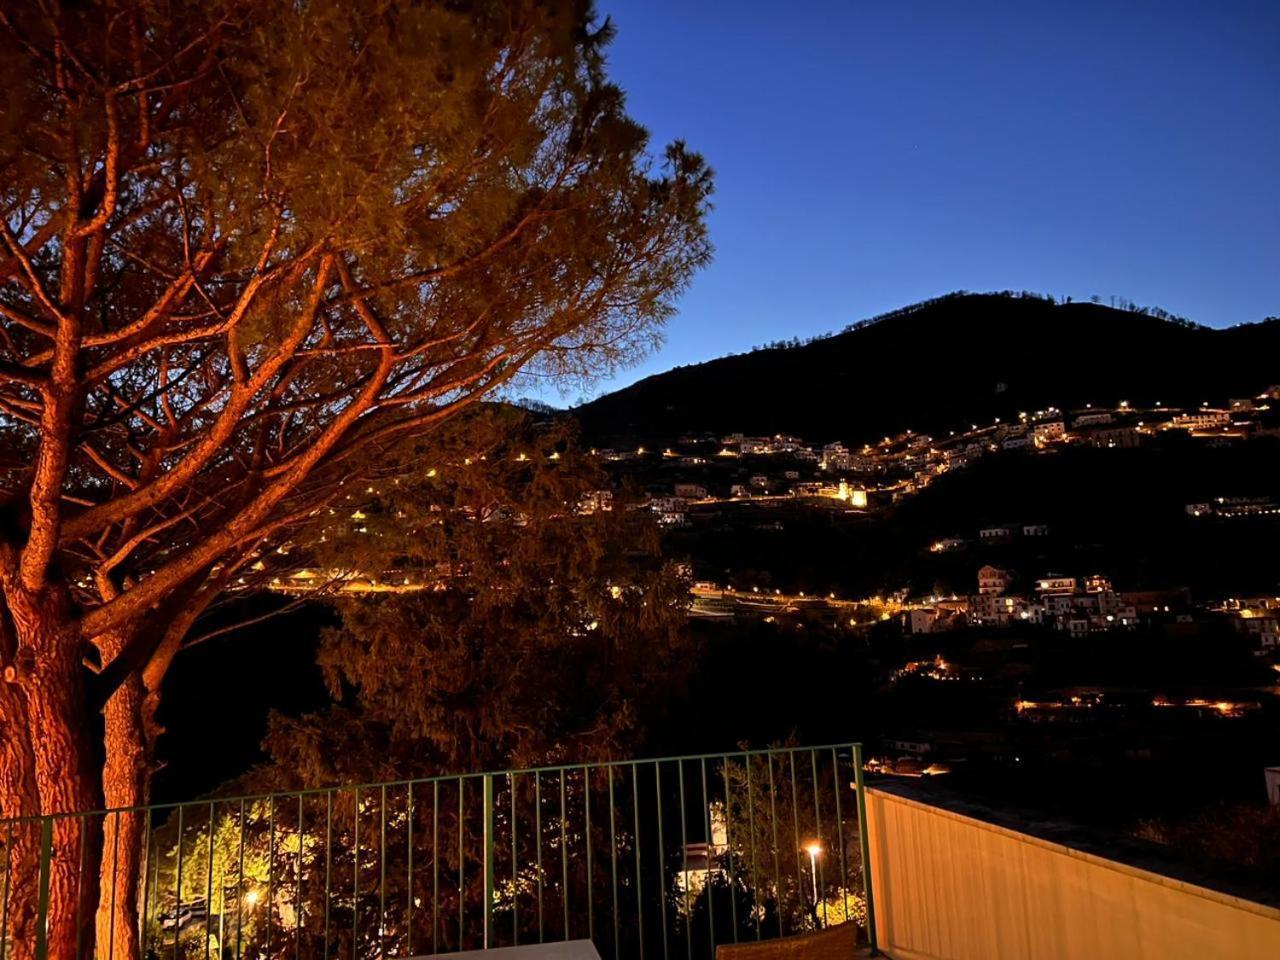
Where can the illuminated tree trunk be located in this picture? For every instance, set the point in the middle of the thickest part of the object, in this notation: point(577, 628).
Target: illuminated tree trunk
point(130, 731)
point(124, 785)
point(21, 839)
point(50, 677)
point(129, 738)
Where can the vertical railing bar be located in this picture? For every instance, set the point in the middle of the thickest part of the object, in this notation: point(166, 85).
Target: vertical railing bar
point(208, 884)
point(4, 906)
point(355, 873)
point(537, 826)
point(586, 797)
point(662, 856)
point(146, 882)
point(817, 828)
point(795, 826)
point(435, 866)
point(728, 844)
point(711, 846)
point(42, 888)
point(564, 854)
point(155, 885)
point(613, 863)
point(297, 896)
point(487, 840)
point(239, 886)
point(271, 867)
point(408, 871)
point(84, 838)
point(757, 905)
point(844, 870)
point(515, 867)
point(115, 869)
point(777, 864)
point(635, 817)
point(328, 865)
point(177, 885)
point(684, 863)
point(462, 864)
point(864, 831)
point(382, 872)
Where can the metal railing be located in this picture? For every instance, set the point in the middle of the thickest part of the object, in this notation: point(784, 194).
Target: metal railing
point(666, 857)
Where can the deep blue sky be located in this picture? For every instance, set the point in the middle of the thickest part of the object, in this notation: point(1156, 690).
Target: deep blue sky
point(870, 154)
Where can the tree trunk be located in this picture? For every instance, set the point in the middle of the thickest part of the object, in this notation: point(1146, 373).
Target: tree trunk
point(125, 775)
point(21, 838)
point(53, 689)
point(129, 738)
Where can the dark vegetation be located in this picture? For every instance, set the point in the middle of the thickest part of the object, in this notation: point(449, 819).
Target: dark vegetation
point(958, 358)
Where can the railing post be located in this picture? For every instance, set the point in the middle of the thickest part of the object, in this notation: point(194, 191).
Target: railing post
point(864, 829)
point(42, 903)
point(488, 861)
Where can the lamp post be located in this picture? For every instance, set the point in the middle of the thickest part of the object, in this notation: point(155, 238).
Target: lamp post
point(251, 899)
point(813, 848)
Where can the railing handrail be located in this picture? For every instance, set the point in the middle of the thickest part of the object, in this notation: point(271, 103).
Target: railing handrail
point(415, 781)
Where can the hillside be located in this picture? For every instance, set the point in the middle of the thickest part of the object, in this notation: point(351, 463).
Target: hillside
point(960, 358)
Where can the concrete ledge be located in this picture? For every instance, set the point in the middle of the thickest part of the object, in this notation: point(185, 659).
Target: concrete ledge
point(564, 950)
point(838, 943)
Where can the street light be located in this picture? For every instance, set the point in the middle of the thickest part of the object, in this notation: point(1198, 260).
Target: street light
point(813, 848)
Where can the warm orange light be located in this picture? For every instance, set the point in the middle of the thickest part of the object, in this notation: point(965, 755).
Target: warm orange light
point(813, 848)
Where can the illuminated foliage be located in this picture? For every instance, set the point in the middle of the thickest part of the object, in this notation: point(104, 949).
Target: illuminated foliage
point(542, 632)
point(246, 246)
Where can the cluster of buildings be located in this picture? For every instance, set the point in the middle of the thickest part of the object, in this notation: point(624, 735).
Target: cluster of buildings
point(672, 503)
point(997, 533)
point(1257, 618)
point(901, 465)
point(1230, 507)
point(1069, 705)
point(739, 445)
point(915, 460)
point(1081, 606)
point(1078, 606)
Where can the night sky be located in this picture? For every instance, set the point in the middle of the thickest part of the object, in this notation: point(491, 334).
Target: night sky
point(870, 154)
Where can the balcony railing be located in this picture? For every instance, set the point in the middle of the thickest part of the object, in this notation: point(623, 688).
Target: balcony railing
point(666, 857)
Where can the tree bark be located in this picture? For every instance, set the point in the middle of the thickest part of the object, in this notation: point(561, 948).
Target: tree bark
point(130, 733)
point(18, 888)
point(125, 776)
point(50, 677)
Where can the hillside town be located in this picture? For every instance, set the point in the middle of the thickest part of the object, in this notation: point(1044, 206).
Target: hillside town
point(701, 471)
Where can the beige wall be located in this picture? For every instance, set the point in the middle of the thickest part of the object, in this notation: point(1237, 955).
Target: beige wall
point(948, 887)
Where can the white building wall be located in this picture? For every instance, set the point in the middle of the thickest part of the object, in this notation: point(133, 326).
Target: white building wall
point(951, 887)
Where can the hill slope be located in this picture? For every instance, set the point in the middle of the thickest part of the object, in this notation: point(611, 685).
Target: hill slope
point(961, 358)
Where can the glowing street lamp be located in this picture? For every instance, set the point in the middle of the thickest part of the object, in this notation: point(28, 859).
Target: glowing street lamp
point(813, 848)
